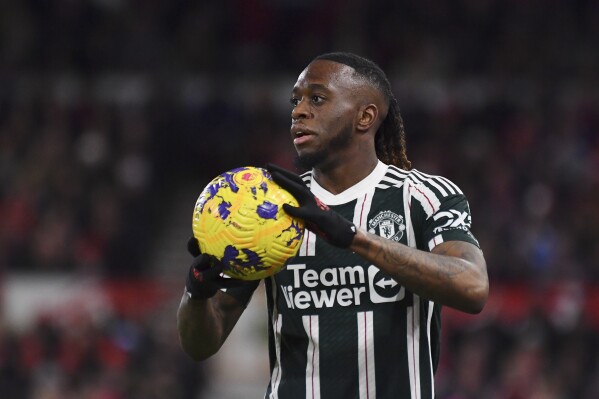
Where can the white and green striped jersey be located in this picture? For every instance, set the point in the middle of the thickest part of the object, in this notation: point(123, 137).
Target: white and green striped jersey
point(341, 328)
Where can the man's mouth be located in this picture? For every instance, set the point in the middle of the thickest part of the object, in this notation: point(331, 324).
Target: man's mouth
point(300, 136)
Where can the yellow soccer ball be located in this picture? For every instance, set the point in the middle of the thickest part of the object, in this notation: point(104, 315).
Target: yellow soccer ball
point(239, 219)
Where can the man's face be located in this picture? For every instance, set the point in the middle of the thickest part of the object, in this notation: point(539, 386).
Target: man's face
point(324, 109)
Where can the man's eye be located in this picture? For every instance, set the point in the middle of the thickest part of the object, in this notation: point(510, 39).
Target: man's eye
point(294, 101)
point(317, 99)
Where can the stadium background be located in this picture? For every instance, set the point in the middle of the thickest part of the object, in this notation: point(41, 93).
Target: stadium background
point(114, 114)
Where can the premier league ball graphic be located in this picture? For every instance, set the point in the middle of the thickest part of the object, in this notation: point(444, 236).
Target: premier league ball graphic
point(239, 219)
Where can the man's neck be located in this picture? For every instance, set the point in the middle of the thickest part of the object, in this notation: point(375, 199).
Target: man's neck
point(339, 178)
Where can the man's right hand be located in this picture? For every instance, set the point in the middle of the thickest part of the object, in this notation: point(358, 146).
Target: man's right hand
point(205, 278)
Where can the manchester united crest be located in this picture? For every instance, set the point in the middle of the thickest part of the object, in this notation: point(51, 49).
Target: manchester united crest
point(387, 224)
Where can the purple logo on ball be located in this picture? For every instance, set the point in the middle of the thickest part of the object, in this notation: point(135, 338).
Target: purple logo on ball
point(267, 210)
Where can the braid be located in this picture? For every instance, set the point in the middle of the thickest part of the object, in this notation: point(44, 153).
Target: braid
point(390, 139)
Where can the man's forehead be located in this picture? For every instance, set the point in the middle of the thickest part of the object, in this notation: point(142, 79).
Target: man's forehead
point(328, 74)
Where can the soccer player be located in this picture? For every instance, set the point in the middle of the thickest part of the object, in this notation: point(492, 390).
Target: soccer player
point(356, 314)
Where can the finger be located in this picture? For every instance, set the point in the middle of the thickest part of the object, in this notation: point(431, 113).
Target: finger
point(193, 247)
point(287, 173)
point(293, 211)
point(298, 190)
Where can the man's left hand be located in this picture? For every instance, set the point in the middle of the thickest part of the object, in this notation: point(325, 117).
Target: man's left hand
point(318, 217)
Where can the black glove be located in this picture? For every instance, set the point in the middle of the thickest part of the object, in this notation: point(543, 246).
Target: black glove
point(204, 277)
point(318, 217)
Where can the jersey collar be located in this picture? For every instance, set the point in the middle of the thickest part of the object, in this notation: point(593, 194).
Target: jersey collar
point(355, 191)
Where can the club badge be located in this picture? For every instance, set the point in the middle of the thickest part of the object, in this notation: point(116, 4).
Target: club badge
point(387, 224)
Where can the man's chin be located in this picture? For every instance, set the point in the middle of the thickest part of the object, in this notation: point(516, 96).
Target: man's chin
point(308, 161)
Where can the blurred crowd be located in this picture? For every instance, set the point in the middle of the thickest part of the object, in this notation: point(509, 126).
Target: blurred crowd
point(122, 358)
point(107, 106)
point(538, 357)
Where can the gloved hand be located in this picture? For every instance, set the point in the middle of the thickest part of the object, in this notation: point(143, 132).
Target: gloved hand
point(204, 278)
point(319, 218)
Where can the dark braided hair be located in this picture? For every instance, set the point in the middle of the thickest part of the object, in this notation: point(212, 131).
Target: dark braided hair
point(390, 138)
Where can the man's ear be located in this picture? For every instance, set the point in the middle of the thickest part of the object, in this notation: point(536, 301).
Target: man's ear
point(367, 117)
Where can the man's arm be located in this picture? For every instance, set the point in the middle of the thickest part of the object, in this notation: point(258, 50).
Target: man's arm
point(206, 314)
point(205, 324)
point(453, 274)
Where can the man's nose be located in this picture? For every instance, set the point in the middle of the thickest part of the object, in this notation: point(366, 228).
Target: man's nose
point(301, 110)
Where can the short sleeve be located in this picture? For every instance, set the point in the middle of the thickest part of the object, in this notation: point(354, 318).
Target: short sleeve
point(452, 221)
point(439, 210)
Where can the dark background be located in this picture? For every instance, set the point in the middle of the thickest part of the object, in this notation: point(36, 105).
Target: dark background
point(109, 109)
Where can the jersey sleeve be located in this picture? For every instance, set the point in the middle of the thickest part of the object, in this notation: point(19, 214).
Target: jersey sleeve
point(452, 222)
point(440, 212)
